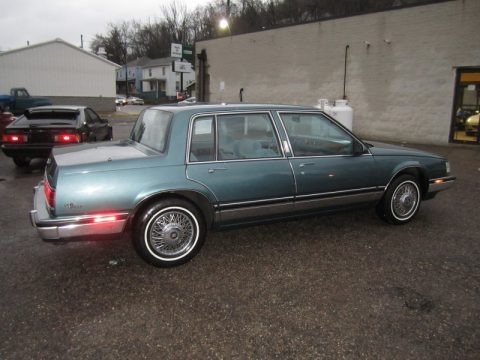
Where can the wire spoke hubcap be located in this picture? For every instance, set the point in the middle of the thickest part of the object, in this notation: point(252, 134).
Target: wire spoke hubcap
point(172, 233)
point(405, 200)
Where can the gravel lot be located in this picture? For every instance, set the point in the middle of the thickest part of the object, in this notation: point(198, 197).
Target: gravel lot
point(338, 286)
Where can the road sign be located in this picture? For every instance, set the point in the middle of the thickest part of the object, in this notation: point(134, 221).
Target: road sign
point(181, 66)
point(188, 53)
point(176, 50)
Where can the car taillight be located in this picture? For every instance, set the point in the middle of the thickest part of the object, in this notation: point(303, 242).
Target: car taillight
point(49, 194)
point(67, 138)
point(14, 138)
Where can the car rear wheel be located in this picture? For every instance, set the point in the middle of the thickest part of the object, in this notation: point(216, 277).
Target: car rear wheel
point(169, 233)
point(21, 161)
point(401, 201)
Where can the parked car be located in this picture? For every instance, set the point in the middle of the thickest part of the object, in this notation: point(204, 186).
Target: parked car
point(181, 95)
point(6, 118)
point(34, 134)
point(461, 116)
point(190, 100)
point(120, 100)
point(186, 170)
point(19, 100)
point(471, 125)
point(132, 100)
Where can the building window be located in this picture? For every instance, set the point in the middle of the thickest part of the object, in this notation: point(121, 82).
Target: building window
point(466, 112)
point(150, 72)
point(163, 70)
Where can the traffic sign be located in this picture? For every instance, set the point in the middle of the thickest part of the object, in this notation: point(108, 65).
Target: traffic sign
point(176, 50)
point(181, 67)
point(188, 53)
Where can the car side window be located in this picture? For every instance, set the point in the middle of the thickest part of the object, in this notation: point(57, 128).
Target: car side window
point(22, 93)
point(246, 136)
point(202, 146)
point(313, 134)
point(91, 117)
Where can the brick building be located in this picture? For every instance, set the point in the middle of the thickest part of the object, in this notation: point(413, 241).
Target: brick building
point(409, 71)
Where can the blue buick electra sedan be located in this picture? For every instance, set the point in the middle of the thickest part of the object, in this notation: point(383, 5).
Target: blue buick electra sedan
point(189, 169)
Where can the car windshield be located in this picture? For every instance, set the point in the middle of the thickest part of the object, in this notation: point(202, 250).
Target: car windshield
point(151, 129)
point(52, 115)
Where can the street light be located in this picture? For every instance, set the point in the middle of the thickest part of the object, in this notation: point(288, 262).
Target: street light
point(223, 24)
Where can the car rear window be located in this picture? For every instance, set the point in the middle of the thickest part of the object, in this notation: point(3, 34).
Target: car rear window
point(52, 115)
point(151, 129)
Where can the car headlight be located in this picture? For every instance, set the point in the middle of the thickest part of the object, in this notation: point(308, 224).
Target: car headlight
point(447, 167)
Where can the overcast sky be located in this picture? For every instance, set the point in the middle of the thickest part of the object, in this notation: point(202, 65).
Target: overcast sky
point(43, 20)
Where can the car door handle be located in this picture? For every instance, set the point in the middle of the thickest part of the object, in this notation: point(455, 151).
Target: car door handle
point(306, 164)
point(211, 171)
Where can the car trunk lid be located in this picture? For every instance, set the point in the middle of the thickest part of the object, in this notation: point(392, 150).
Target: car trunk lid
point(89, 153)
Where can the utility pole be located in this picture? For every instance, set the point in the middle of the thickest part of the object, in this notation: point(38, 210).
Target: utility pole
point(181, 79)
point(126, 71)
point(345, 73)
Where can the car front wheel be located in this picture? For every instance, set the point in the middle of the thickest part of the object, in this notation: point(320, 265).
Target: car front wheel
point(401, 200)
point(169, 233)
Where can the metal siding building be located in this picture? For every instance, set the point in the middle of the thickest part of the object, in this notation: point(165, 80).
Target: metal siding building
point(401, 67)
point(64, 73)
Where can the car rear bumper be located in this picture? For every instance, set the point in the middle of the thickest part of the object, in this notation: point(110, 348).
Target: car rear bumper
point(34, 151)
point(60, 228)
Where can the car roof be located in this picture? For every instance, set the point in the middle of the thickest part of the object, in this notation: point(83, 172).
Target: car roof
point(209, 107)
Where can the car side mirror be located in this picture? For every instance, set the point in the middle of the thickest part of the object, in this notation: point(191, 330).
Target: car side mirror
point(358, 148)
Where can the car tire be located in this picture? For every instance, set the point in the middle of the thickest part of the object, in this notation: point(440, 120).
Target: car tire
point(401, 201)
point(21, 161)
point(169, 233)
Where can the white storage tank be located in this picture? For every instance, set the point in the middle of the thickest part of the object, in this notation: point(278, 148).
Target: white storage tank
point(324, 105)
point(343, 113)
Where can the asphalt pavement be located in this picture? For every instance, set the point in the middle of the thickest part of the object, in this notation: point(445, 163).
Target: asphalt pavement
point(338, 286)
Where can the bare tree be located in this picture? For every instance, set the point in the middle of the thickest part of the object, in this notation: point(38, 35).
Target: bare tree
point(177, 24)
point(113, 42)
point(177, 21)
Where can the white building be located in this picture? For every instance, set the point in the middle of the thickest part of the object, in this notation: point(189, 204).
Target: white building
point(160, 80)
point(62, 72)
point(410, 72)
